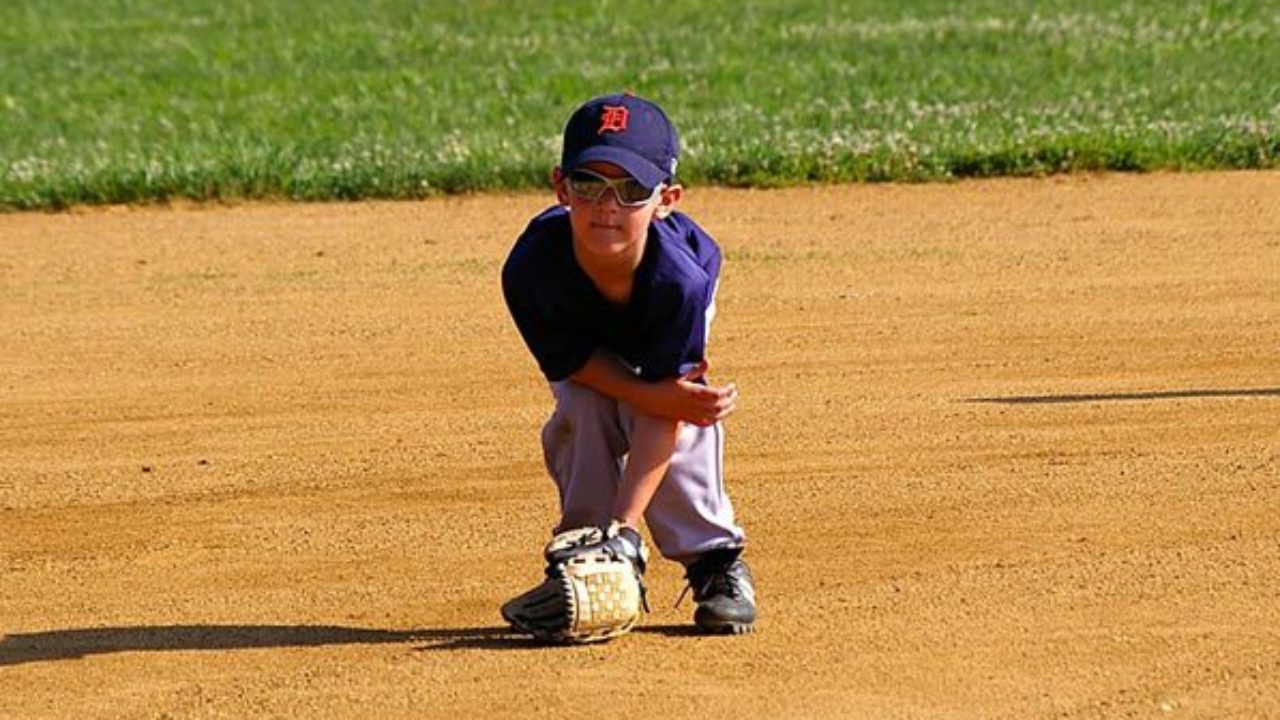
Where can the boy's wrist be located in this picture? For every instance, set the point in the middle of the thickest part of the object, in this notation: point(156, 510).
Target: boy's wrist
point(619, 524)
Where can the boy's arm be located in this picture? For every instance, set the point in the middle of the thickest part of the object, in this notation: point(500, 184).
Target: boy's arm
point(673, 399)
point(653, 440)
point(660, 408)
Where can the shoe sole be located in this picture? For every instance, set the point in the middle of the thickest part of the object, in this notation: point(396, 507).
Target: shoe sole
point(731, 628)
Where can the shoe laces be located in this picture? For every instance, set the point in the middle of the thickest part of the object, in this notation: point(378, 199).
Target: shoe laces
point(721, 583)
point(712, 579)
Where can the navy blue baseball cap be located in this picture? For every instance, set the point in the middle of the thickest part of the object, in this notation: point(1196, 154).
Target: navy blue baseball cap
point(625, 130)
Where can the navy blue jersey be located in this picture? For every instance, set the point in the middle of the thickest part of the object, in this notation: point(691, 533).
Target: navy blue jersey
point(660, 333)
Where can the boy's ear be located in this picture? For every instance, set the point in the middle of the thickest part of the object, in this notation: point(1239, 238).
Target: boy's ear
point(668, 200)
point(557, 181)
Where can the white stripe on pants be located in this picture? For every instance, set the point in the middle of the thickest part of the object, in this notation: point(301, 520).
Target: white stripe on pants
point(585, 445)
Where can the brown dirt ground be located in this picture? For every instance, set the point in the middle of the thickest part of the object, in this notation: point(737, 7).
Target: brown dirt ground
point(1006, 449)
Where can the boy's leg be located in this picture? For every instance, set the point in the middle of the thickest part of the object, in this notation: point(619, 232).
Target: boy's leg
point(691, 512)
point(691, 520)
point(584, 443)
point(583, 446)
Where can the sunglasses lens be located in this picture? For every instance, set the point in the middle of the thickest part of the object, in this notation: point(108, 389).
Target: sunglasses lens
point(590, 186)
point(631, 192)
point(586, 185)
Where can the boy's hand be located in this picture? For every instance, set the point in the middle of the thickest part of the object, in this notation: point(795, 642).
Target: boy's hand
point(675, 399)
point(688, 401)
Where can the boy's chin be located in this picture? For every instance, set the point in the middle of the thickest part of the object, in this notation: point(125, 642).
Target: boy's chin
point(608, 241)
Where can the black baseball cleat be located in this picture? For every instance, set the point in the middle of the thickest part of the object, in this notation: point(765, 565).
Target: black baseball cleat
point(725, 593)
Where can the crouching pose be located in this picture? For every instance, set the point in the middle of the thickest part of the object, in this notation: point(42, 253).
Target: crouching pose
point(613, 291)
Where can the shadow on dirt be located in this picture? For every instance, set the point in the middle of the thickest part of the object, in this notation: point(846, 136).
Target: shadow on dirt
point(54, 645)
point(689, 630)
point(19, 649)
point(1116, 397)
point(506, 639)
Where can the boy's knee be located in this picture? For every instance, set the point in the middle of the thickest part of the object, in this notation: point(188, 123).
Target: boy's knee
point(581, 403)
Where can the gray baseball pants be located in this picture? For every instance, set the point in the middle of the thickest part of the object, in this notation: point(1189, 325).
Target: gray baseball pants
point(585, 445)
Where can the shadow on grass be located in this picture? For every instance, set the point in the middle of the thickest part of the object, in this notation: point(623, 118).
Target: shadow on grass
point(53, 645)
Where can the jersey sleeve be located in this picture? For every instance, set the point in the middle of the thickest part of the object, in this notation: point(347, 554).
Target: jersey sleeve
point(681, 340)
point(540, 310)
point(683, 301)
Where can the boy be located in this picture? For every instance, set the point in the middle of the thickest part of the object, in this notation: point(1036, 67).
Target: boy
point(613, 291)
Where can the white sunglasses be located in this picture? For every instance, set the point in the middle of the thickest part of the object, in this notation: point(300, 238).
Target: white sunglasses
point(629, 191)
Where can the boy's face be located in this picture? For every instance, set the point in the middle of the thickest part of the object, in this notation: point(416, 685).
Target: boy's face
point(605, 227)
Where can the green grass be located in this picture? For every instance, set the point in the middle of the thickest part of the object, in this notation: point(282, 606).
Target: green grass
point(129, 100)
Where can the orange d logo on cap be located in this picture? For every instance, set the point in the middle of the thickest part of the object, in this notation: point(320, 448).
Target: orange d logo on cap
point(627, 131)
point(613, 118)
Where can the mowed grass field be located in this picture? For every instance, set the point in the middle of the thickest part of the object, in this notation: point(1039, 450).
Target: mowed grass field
point(105, 101)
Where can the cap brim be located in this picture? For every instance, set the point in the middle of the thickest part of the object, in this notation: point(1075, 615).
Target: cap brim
point(649, 175)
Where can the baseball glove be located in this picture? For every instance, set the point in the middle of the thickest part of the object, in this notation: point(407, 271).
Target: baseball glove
point(594, 589)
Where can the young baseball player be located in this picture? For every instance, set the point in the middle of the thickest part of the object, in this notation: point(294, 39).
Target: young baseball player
point(613, 291)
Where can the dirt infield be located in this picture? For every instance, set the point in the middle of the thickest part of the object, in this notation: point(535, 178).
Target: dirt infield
point(1005, 449)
